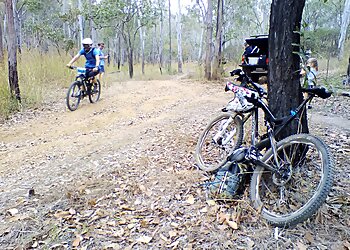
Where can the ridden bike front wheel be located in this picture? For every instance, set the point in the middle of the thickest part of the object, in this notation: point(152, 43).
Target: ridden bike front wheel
point(95, 92)
point(73, 96)
point(221, 136)
point(301, 185)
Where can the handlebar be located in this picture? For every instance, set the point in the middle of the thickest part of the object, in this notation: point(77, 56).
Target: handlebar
point(245, 80)
point(319, 91)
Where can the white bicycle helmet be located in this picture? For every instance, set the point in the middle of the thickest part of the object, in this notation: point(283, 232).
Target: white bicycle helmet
point(87, 41)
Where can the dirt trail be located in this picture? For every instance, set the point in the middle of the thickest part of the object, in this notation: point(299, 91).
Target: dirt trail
point(55, 149)
point(120, 118)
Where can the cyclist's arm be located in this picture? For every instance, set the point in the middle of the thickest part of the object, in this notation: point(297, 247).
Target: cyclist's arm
point(97, 61)
point(76, 57)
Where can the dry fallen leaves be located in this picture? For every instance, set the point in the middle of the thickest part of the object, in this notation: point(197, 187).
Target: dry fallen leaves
point(190, 199)
point(144, 239)
point(12, 211)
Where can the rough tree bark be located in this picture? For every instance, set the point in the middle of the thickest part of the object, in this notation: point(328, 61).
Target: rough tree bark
point(208, 40)
point(179, 35)
point(284, 79)
point(12, 52)
point(218, 41)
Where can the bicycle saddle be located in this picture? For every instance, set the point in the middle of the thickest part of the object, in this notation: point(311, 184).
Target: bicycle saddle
point(319, 91)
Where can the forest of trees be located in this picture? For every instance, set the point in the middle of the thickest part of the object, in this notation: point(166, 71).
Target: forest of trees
point(154, 32)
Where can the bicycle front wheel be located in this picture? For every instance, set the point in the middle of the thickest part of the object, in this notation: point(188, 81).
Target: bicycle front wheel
point(221, 136)
point(301, 184)
point(73, 96)
point(95, 92)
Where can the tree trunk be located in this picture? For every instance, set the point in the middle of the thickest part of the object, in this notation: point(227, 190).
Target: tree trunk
point(218, 42)
point(1, 44)
point(65, 26)
point(170, 51)
point(344, 26)
point(199, 58)
point(142, 41)
point(81, 24)
point(202, 20)
point(18, 25)
point(130, 62)
point(179, 42)
point(284, 80)
point(209, 37)
point(160, 51)
point(12, 52)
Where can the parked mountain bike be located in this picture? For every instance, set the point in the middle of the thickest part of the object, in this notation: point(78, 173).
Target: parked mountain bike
point(82, 86)
point(290, 179)
point(225, 132)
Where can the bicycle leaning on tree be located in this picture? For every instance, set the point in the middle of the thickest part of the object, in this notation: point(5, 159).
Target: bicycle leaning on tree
point(289, 179)
point(82, 86)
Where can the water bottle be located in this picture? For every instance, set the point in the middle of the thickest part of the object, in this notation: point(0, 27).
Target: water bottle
point(81, 70)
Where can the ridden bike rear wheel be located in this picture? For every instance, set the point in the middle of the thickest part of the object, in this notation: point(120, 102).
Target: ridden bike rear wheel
point(221, 136)
point(302, 185)
point(95, 91)
point(73, 96)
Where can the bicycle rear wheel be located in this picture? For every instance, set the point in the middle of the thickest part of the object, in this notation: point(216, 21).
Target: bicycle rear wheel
point(95, 91)
point(221, 136)
point(73, 96)
point(302, 185)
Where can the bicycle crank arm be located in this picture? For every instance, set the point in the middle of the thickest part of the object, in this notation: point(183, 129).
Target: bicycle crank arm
point(264, 165)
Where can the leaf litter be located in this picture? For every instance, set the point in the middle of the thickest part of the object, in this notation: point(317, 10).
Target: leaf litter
point(146, 195)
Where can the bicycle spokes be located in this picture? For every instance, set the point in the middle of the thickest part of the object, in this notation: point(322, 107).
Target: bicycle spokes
point(296, 181)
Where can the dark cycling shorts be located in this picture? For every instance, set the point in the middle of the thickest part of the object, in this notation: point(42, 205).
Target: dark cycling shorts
point(90, 73)
point(102, 68)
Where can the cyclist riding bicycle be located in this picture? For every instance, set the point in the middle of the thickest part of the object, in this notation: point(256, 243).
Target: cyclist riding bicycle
point(92, 56)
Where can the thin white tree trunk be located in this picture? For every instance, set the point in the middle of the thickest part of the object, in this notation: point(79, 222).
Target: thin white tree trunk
point(179, 42)
point(160, 50)
point(344, 27)
point(170, 49)
point(142, 40)
point(80, 18)
point(199, 57)
point(65, 26)
point(209, 37)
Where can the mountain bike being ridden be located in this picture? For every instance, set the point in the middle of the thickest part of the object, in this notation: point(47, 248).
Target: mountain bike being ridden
point(81, 87)
point(291, 178)
point(85, 81)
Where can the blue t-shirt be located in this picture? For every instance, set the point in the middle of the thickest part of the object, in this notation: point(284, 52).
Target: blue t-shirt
point(90, 57)
point(102, 60)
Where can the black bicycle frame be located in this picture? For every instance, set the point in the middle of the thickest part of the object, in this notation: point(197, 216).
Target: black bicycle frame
point(278, 123)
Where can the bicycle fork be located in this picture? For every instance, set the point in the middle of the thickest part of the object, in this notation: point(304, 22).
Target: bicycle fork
point(218, 138)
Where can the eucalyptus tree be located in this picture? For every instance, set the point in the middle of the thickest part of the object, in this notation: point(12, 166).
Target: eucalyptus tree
point(208, 40)
point(1, 40)
point(321, 26)
point(80, 17)
point(12, 52)
point(161, 5)
point(179, 38)
point(284, 79)
point(123, 16)
point(218, 40)
point(344, 27)
point(170, 49)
